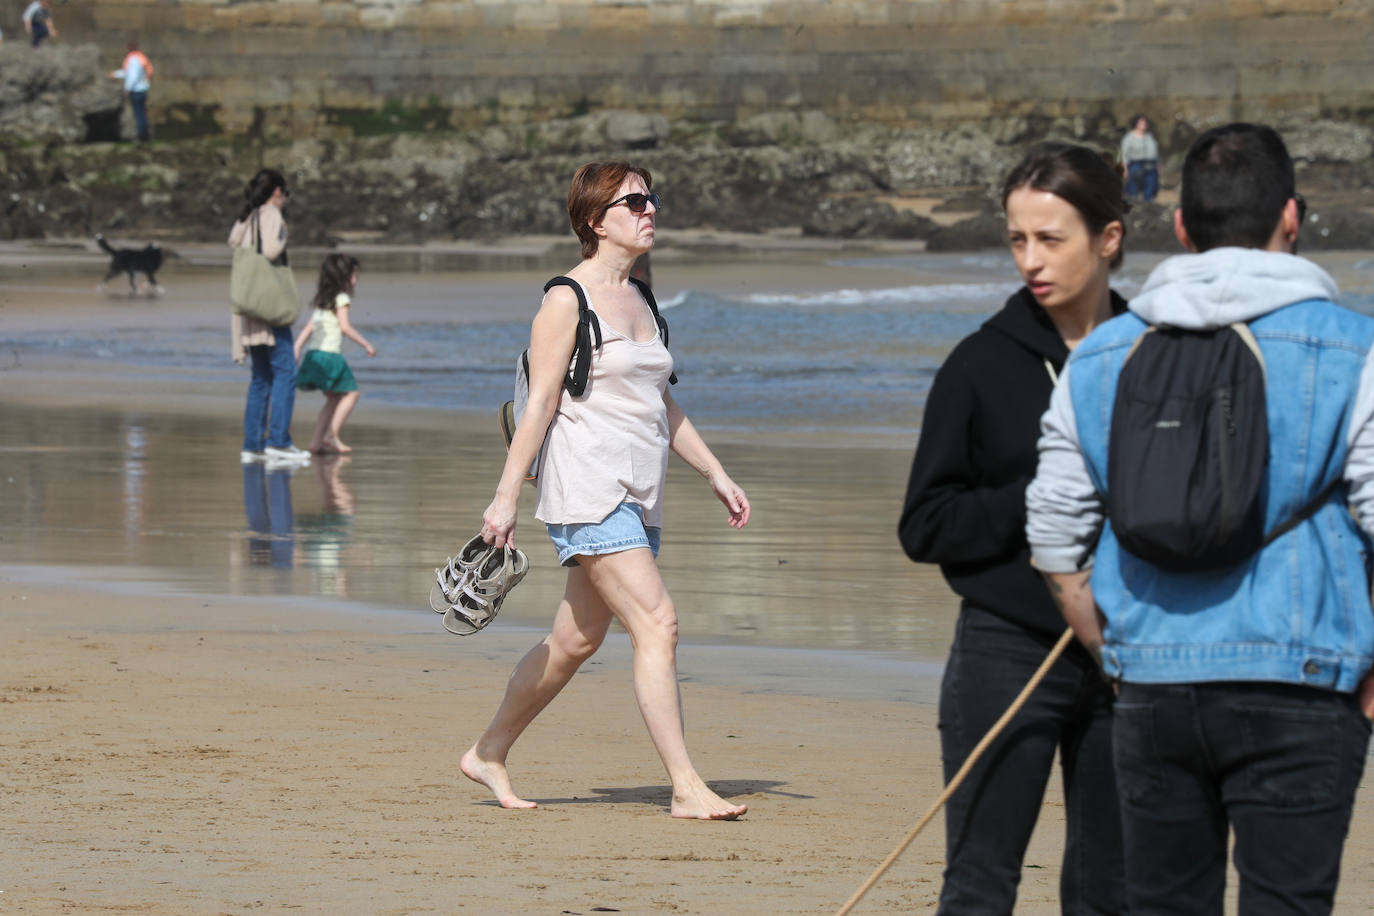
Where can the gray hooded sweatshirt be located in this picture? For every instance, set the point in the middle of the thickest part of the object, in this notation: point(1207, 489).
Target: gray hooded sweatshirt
point(1064, 511)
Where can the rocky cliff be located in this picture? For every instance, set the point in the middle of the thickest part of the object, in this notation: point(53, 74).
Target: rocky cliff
point(400, 120)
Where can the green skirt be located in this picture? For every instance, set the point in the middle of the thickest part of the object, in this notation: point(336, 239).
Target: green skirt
point(321, 371)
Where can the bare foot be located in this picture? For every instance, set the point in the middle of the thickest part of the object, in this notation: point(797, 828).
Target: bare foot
point(493, 775)
point(700, 803)
point(317, 448)
point(336, 445)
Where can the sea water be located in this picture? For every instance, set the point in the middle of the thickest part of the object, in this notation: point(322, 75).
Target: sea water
point(857, 360)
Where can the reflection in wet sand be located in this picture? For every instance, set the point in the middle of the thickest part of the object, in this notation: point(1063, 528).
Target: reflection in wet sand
point(326, 534)
point(818, 566)
point(271, 525)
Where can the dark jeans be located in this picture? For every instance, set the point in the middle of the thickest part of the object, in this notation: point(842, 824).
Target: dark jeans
point(1277, 763)
point(1142, 178)
point(271, 394)
point(988, 821)
point(138, 101)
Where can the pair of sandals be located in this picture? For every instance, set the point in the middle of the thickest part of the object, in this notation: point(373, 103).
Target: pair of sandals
point(471, 585)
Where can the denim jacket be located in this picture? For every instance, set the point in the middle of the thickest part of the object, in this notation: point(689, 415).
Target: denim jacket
point(1298, 611)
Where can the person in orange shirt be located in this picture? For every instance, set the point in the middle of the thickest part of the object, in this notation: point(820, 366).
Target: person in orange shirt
point(136, 72)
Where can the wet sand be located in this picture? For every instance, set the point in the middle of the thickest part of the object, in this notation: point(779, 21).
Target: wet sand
point(206, 709)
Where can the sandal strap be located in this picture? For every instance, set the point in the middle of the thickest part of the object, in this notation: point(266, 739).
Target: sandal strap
point(514, 565)
point(473, 553)
point(451, 579)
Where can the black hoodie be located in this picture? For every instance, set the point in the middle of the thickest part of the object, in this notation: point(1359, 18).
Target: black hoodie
point(966, 500)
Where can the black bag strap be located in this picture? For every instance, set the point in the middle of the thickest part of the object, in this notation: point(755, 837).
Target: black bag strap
point(280, 260)
point(587, 326)
point(1302, 514)
point(648, 295)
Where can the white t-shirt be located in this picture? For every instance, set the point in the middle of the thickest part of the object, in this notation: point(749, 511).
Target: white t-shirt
point(327, 335)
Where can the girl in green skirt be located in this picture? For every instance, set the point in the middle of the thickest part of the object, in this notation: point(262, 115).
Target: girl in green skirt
point(324, 368)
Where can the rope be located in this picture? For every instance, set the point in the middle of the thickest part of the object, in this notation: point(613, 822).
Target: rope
point(963, 770)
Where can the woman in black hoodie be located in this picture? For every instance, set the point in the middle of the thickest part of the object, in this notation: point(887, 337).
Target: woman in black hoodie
point(965, 509)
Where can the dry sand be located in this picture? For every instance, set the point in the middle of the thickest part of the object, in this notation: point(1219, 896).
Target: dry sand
point(187, 732)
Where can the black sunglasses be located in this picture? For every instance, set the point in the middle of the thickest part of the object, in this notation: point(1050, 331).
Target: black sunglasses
point(635, 203)
point(1302, 207)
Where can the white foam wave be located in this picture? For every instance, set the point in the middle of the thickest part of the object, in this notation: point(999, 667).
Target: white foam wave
point(674, 301)
point(923, 293)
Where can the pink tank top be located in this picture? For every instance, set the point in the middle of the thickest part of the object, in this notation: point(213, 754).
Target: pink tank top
point(610, 445)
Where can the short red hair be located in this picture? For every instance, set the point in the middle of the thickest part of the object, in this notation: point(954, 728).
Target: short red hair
point(593, 187)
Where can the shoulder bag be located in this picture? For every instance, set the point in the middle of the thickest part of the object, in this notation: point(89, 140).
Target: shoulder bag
point(260, 289)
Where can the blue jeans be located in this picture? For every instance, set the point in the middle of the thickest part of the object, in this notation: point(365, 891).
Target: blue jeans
point(271, 394)
point(1277, 763)
point(989, 819)
point(138, 101)
point(1142, 178)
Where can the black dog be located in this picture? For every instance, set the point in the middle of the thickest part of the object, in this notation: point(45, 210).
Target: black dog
point(133, 261)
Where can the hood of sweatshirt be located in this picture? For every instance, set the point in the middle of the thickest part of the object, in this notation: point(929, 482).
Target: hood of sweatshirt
point(1025, 321)
point(1226, 285)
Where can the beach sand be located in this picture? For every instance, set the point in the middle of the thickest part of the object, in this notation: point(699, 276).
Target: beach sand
point(198, 717)
point(201, 754)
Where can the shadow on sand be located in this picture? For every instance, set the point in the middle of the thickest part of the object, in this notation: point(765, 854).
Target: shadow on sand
point(660, 795)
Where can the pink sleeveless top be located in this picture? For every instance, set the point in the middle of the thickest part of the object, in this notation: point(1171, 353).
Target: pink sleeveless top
point(610, 445)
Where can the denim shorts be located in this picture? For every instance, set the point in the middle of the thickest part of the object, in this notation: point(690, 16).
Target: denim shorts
point(623, 529)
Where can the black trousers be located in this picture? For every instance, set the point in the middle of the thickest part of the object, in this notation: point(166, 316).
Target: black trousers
point(1277, 763)
point(989, 820)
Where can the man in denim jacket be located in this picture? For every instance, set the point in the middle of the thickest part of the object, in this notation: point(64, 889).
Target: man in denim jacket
point(1243, 691)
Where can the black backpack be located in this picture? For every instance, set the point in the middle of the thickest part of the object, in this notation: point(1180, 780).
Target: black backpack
point(575, 382)
point(1189, 448)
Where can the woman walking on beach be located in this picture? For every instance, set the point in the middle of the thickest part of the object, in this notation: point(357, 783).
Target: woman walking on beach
point(324, 368)
point(965, 509)
point(600, 488)
point(272, 391)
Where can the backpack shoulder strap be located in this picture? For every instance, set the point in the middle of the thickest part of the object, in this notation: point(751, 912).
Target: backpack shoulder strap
point(587, 327)
point(1136, 344)
point(1303, 514)
point(585, 315)
point(1248, 338)
point(648, 295)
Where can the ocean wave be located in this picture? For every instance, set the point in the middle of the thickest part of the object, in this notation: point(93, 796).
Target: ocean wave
point(919, 294)
point(675, 300)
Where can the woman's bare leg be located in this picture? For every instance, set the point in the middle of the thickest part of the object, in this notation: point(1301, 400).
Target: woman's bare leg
point(630, 585)
point(342, 409)
point(578, 630)
point(322, 423)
